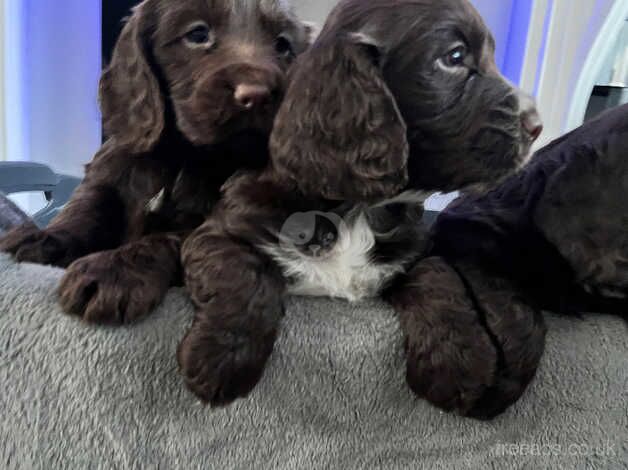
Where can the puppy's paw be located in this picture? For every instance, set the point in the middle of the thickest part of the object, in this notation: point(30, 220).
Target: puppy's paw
point(517, 331)
point(112, 287)
point(29, 244)
point(472, 345)
point(220, 365)
point(450, 358)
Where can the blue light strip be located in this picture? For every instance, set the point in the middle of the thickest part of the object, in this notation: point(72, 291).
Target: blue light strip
point(16, 81)
point(541, 59)
point(509, 21)
point(497, 16)
point(514, 58)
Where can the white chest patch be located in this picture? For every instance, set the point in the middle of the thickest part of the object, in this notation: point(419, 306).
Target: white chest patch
point(157, 202)
point(347, 271)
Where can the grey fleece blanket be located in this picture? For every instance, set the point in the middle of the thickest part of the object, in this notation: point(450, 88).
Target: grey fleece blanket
point(333, 396)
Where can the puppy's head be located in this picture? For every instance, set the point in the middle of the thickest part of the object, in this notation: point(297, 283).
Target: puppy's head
point(212, 69)
point(398, 91)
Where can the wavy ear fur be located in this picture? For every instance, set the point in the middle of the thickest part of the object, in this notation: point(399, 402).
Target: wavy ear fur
point(130, 96)
point(339, 134)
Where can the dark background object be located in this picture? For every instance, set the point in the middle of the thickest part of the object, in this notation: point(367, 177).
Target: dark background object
point(605, 97)
point(113, 11)
point(26, 177)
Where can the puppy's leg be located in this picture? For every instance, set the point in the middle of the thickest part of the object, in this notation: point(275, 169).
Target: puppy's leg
point(122, 285)
point(93, 220)
point(472, 345)
point(238, 293)
point(517, 330)
point(450, 357)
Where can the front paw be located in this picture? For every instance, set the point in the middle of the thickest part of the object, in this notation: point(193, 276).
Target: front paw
point(29, 244)
point(220, 365)
point(111, 288)
point(473, 345)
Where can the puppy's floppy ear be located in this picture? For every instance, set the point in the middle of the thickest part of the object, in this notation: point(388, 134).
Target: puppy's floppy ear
point(130, 97)
point(339, 133)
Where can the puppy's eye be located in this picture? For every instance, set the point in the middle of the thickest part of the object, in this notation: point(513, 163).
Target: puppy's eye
point(283, 46)
point(455, 57)
point(199, 35)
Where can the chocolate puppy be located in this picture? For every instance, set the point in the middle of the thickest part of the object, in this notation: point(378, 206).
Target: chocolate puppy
point(188, 98)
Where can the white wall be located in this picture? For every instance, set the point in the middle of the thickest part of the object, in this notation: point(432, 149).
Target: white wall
point(314, 10)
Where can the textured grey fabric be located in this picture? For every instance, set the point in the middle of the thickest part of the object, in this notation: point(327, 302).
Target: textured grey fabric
point(10, 214)
point(75, 396)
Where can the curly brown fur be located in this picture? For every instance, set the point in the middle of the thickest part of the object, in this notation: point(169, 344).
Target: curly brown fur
point(352, 147)
point(121, 285)
point(399, 109)
point(238, 291)
point(373, 107)
point(188, 98)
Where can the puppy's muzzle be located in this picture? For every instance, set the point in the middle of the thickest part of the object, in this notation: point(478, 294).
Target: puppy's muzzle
point(253, 86)
point(531, 122)
point(250, 95)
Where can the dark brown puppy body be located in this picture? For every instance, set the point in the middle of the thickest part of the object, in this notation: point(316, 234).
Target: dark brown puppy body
point(394, 94)
point(558, 228)
point(551, 237)
point(189, 98)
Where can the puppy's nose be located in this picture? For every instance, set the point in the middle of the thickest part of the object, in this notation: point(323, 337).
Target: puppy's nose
point(530, 117)
point(531, 121)
point(249, 96)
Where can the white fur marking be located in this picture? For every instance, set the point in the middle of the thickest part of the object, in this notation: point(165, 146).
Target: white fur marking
point(156, 203)
point(346, 272)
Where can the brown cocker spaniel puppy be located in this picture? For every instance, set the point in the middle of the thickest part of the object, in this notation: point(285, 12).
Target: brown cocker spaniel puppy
point(188, 98)
point(393, 95)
